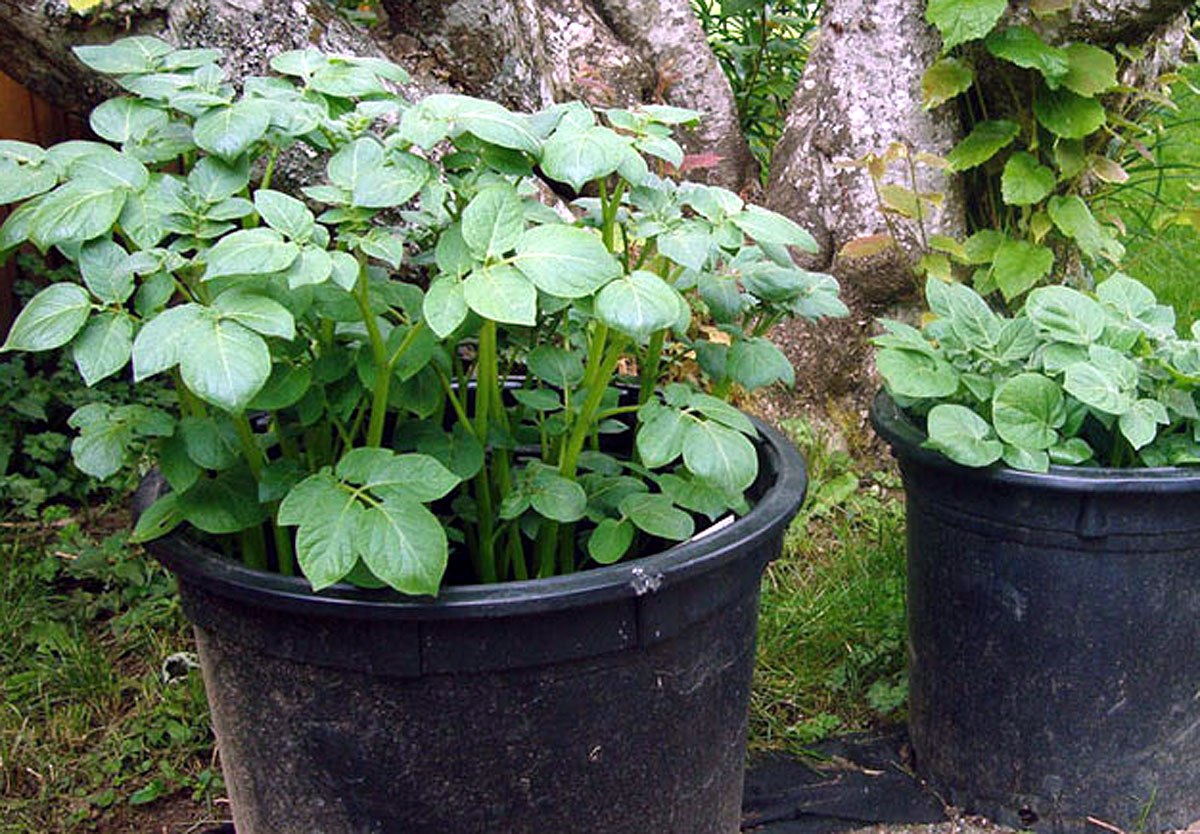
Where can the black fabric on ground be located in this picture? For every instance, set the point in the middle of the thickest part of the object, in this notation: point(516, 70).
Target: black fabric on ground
point(861, 782)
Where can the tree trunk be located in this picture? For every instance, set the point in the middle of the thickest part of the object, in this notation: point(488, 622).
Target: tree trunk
point(523, 53)
point(861, 91)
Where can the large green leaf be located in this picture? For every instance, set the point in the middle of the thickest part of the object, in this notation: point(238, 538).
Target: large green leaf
point(355, 163)
point(657, 515)
point(230, 131)
point(565, 261)
point(259, 313)
point(225, 504)
point(982, 143)
point(502, 294)
point(556, 497)
point(578, 156)
point(490, 122)
point(1068, 114)
point(128, 55)
point(445, 306)
point(1066, 315)
point(50, 319)
point(555, 365)
point(1027, 410)
point(1140, 423)
point(720, 456)
point(1097, 387)
point(391, 184)
point(214, 180)
point(224, 363)
point(208, 443)
point(493, 221)
point(755, 363)
point(103, 347)
point(101, 448)
point(285, 214)
point(106, 271)
point(945, 79)
point(1091, 70)
point(660, 435)
point(418, 477)
point(21, 181)
point(910, 373)
point(1026, 181)
point(637, 305)
point(160, 343)
point(329, 519)
point(1022, 46)
point(250, 252)
point(962, 435)
point(1074, 219)
point(610, 540)
point(1018, 265)
point(970, 317)
point(770, 227)
point(404, 545)
point(963, 20)
point(75, 212)
point(122, 119)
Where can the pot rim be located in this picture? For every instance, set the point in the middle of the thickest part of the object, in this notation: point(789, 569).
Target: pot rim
point(780, 501)
point(893, 425)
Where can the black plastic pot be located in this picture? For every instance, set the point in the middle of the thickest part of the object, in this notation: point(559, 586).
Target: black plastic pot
point(611, 700)
point(1054, 638)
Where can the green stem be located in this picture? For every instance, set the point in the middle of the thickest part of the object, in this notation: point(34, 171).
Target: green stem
point(486, 368)
point(383, 374)
point(650, 366)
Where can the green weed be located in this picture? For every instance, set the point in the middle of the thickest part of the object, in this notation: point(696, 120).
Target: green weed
point(90, 720)
point(831, 635)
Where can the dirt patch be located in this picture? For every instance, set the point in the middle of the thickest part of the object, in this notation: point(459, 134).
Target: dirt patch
point(176, 814)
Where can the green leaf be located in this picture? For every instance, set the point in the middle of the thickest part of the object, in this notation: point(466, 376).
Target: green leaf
point(208, 444)
point(637, 305)
point(962, 435)
point(963, 20)
point(1027, 410)
point(1140, 423)
point(157, 520)
point(909, 373)
point(458, 450)
point(355, 163)
point(537, 399)
point(1073, 218)
point(720, 456)
point(250, 252)
point(225, 504)
point(502, 294)
point(127, 55)
point(493, 221)
point(418, 477)
point(945, 79)
point(284, 388)
point(383, 245)
point(284, 214)
point(230, 131)
point(556, 497)
point(1029, 460)
point(50, 319)
point(769, 227)
point(1091, 70)
point(970, 317)
point(259, 313)
point(312, 266)
point(1025, 180)
point(106, 271)
point(491, 122)
point(982, 143)
point(656, 515)
point(101, 448)
point(344, 268)
point(717, 409)
point(577, 157)
point(755, 363)
point(1130, 297)
point(325, 543)
point(1098, 388)
point(565, 261)
point(103, 347)
point(610, 541)
point(160, 342)
point(20, 182)
point(214, 180)
point(660, 435)
point(123, 119)
point(1022, 46)
point(1070, 452)
point(1069, 115)
point(1019, 265)
point(1066, 315)
point(404, 545)
point(75, 212)
point(555, 366)
point(688, 244)
point(445, 306)
point(392, 184)
point(224, 363)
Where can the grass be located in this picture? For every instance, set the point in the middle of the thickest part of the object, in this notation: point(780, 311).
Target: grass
point(1160, 203)
point(92, 726)
point(831, 635)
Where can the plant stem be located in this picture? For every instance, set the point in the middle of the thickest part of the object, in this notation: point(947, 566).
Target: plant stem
point(383, 374)
point(486, 368)
point(650, 366)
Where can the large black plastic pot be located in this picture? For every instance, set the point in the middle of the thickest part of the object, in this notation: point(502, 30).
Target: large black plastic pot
point(611, 700)
point(1054, 638)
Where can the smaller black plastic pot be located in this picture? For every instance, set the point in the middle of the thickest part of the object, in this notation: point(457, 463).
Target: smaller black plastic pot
point(1054, 626)
point(611, 701)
